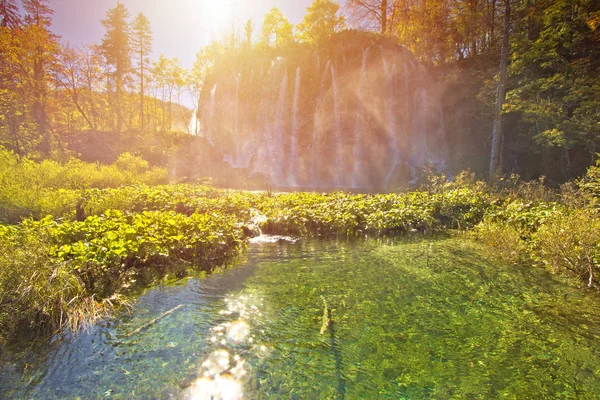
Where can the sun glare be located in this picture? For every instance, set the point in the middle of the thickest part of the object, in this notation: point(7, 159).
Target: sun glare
point(218, 15)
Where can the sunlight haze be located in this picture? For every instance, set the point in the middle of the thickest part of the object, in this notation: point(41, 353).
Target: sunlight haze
point(181, 27)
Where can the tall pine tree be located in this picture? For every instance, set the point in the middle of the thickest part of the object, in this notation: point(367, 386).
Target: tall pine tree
point(38, 12)
point(9, 14)
point(42, 46)
point(116, 48)
point(142, 46)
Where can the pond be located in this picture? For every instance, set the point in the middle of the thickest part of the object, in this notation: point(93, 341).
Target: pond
point(409, 319)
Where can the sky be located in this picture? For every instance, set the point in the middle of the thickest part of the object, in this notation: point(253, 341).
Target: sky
point(180, 27)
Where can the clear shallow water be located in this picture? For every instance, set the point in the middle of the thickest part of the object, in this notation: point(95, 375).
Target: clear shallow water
point(414, 319)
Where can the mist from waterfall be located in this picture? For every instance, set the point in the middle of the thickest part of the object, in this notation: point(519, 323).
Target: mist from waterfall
point(366, 120)
point(293, 167)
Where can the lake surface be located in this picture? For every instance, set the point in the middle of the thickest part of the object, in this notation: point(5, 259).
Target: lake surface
point(410, 319)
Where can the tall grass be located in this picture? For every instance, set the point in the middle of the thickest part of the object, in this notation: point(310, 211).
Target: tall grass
point(29, 188)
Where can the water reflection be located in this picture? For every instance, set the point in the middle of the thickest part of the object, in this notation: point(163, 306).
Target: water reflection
point(413, 319)
point(224, 372)
point(220, 387)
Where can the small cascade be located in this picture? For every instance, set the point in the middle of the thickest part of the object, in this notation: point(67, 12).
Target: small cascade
point(293, 167)
point(193, 125)
point(359, 126)
point(339, 166)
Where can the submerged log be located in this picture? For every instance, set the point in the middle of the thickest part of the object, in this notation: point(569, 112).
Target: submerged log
point(152, 322)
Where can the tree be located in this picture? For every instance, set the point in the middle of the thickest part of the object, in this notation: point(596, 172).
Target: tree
point(38, 13)
point(321, 21)
point(71, 78)
point(248, 31)
point(556, 61)
point(171, 79)
point(373, 14)
point(206, 60)
point(12, 104)
point(116, 47)
point(43, 47)
point(277, 29)
point(497, 132)
point(9, 14)
point(142, 45)
point(25, 75)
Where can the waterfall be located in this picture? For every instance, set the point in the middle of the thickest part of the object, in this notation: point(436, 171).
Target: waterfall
point(338, 167)
point(278, 143)
point(314, 181)
point(293, 167)
point(360, 117)
point(358, 128)
point(390, 116)
point(193, 124)
point(419, 130)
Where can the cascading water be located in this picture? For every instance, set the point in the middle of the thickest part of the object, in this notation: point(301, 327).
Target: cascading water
point(194, 123)
point(390, 115)
point(338, 167)
point(315, 148)
point(293, 167)
point(360, 124)
point(364, 119)
point(278, 143)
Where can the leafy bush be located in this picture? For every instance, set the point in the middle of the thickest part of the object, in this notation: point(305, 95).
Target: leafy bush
point(570, 242)
point(591, 182)
point(504, 240)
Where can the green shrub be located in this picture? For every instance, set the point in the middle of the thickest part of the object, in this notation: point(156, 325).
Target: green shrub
point(503, 240)
point(570, 242)
point(35, 189)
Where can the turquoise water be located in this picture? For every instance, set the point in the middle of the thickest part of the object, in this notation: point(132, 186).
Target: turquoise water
point(413, 319)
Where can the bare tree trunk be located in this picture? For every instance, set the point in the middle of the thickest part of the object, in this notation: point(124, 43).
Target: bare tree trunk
point(384, 18)
point(492, 26)
point(497, 131)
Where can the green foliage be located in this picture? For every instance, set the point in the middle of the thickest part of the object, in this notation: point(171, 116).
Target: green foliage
point(53, 274)
point(36, 189)
point(321, 21)
point(564, 237)
point(132, 234)
point(570, 242)
point(505, 241)
point(351, 215)
point(277, 29)
point(591, 182)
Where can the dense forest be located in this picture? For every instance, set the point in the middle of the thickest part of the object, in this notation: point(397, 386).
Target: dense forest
point(521, 79)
